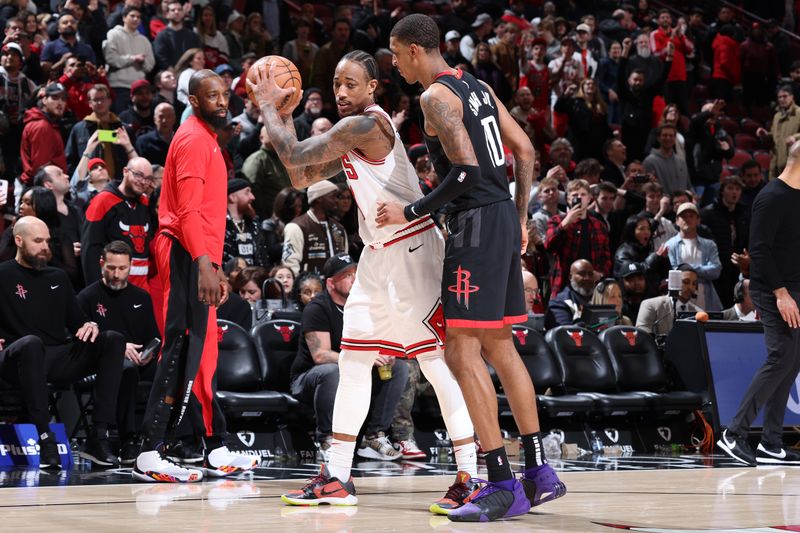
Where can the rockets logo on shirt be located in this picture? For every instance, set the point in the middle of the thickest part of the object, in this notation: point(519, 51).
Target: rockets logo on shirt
point(21, 292)
point(101, 310)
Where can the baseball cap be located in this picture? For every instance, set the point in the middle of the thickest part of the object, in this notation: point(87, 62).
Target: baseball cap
point(223, 68)
point(337, 264)
point(93, 162)
point(452, 34)
point(237, 184)
point(140, 84)
point(54, 89)
point(12, 47)
point(320, 189)
point(481, 19)
point(632, 269)
point(583, 27)
point(687, 206)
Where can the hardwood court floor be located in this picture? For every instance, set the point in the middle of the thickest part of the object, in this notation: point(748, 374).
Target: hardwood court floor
point(677, 499)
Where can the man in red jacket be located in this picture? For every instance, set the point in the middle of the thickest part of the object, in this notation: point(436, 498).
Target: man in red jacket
point(677, 91)
point(42, 143)
point(727, 67)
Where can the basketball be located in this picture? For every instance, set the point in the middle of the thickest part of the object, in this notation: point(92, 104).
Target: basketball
point(701, 316)
point(285, 74)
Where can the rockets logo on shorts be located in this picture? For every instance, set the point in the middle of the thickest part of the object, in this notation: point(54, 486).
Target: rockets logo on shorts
point(463, 288)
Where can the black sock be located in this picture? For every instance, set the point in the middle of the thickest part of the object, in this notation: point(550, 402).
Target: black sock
point(212, 442)
point(534, 451)
point(498, 466)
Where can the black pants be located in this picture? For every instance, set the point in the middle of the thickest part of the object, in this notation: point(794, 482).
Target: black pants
point(30, 365)
point(132, 374)
point(188, 364)
point(772, 383)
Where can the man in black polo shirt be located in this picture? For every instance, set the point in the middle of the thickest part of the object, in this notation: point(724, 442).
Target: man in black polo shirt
point(119, 306)
point(315, 371)
point(37, 310)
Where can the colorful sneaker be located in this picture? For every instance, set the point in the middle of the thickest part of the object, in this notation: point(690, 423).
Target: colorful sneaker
point(457, 495)
point(494, 501)
point(152, 466)
point(378, 447)
point(737, 447)
point(323, 489)
point(220, 462)
point(409, 450)
point(541, 485)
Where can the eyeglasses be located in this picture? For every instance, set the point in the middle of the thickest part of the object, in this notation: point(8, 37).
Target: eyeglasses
point(140, 176)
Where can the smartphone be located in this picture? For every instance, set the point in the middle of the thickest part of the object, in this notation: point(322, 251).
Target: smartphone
point(3, 192)
point(641, 178)
point(107, 136)
point(575, 202)
point(150, 350)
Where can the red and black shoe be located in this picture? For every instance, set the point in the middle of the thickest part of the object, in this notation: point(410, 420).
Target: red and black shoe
point(323, 489)
point(457, 495)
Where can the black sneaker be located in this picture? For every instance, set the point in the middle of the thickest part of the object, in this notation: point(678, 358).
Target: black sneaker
point(185, 453)
point(736, 447)
point(129, 451)
point(781, 456)
point(49, 457)
point(98, 451)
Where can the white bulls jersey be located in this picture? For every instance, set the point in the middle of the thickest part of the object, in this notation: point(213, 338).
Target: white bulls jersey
point(391, 179)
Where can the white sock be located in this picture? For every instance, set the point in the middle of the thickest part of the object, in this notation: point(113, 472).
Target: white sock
point(350, 407)
point(341, 459)
point(467, 458)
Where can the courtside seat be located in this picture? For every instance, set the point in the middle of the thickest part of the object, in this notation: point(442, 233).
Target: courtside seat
point(277, 342)
point(588, 372)
point(639, 368)
point(240, 385)
point(546, 374)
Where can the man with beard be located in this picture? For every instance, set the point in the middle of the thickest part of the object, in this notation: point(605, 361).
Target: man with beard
point(243, 236)
point(311, 111)
point(636, 94)
point(315, 236)
point(118, 306)
point(173, 40)
point(56, 53)
point(644, 60)
point(120, 213)
point(188, 251)
point(139, 116)
point(656, 314)
point(567, 307)
point(37, 306)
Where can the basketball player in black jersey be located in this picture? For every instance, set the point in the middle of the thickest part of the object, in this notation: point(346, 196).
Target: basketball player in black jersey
point(465, 130)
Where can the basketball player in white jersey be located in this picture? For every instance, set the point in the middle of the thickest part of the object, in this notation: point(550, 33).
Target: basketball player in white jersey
point(394, 306)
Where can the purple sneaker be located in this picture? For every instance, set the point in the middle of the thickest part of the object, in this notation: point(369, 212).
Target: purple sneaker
point(494, 501)
point(542, 485)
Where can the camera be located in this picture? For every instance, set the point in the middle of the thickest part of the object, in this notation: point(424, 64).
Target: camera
point(641, 178)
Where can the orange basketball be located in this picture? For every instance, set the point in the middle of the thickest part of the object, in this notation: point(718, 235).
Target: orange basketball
point(285, 74)
point(701, 316)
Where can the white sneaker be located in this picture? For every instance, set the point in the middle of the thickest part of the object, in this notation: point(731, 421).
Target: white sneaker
point(378, 448)
point(220, 462)
point(152, 466)
point(409, 450)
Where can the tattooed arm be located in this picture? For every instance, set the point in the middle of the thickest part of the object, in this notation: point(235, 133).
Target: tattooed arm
point(319, 344)
point(305, 176)
point(321, 151)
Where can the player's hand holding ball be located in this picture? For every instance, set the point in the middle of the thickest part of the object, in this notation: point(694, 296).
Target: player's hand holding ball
point(274, 80)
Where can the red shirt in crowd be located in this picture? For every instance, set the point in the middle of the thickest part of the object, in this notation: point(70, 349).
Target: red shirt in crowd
point(683, 47)
point(194, 197)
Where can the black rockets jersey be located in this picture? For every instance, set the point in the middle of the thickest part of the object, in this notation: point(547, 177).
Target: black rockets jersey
point(37, 302)
point(128, 311)
point(482, 124)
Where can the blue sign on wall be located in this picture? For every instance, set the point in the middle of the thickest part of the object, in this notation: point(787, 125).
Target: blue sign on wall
point(734, 358)
point(19, 445)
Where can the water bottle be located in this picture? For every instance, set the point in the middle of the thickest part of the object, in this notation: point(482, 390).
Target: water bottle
point(597, 444)
point(552, 446)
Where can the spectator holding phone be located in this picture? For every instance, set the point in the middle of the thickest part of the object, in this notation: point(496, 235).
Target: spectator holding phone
point(116, 305)
point(577, 235)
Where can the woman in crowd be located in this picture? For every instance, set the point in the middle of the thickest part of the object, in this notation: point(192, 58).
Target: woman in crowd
point(306, 287)
point(256, 39)
point(249, 283)
point(191, 61)
point(486, 70)
point(637, 247)
point(285, 276)
point(588, 119)
point(609, 292)
point(214, 43)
